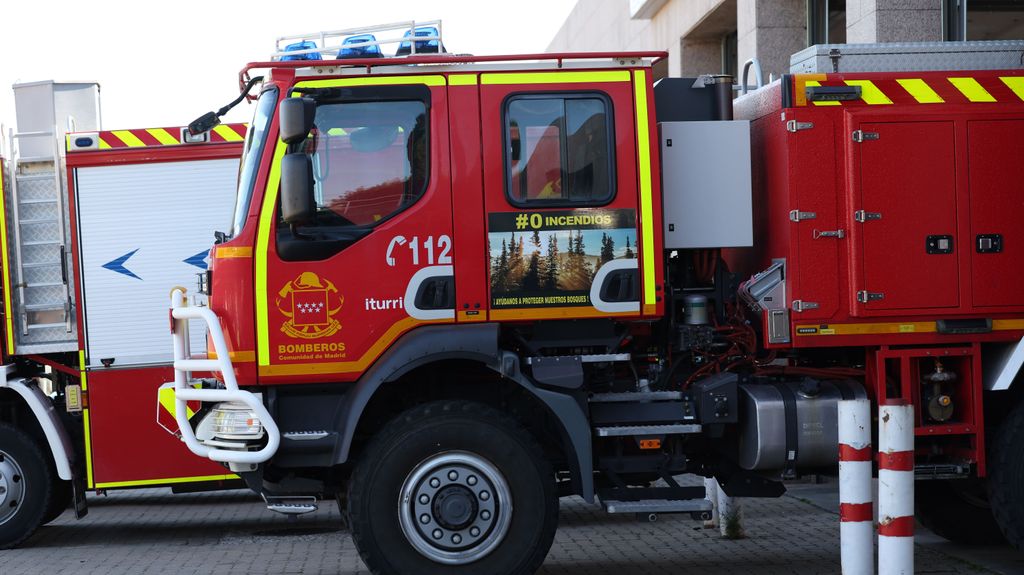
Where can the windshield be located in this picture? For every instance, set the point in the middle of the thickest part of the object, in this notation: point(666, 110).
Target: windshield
point(254, 143)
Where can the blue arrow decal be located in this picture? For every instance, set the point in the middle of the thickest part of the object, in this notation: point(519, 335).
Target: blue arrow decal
point(199, 260)
point(118, 265)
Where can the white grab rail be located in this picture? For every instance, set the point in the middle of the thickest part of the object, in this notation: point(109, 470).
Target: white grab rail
point(183, 392)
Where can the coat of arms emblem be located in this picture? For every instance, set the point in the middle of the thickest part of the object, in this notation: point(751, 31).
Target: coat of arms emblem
point(310, 303)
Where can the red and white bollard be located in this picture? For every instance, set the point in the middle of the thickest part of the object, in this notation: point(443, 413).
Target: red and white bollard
point(896, 488)
point(856, 527)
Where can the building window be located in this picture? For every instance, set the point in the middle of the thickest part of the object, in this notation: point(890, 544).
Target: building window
point(826, 22)
point(983, 19)
point(559, 150)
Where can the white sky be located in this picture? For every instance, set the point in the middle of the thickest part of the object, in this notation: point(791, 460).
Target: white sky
point(165, 63)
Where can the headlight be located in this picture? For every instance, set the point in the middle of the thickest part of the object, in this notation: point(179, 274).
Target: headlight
point(231, 421)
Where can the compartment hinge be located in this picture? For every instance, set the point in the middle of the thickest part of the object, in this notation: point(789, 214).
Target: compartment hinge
point(798, 216)
point(861, 136)
point(863, 216)
point(864, 296)
point(800, 305)
point(794, 126)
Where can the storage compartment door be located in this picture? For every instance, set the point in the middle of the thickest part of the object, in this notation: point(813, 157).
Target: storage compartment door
point(907, 259)
point(145, 228)
point(996, 172)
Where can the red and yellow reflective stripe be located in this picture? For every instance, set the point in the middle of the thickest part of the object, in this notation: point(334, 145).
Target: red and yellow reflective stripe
point(928, 88)
point(155, 137)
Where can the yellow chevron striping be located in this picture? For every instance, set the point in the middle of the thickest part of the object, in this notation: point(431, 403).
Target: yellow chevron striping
point(972, 90)
point(228, 134)
point(103, 144)
point(1015, 83)
point(163, 136)
point(869, 92)
point(130, 139)
point(921, 91)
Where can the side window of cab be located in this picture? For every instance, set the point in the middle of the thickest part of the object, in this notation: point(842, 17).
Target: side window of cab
point(370, 161)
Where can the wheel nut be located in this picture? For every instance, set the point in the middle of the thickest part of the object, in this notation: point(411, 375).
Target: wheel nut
point(437, 534)
point(474, 531)
point(424, 499)
point(471, 480)
point(453, 475)
point(485, 515)
point(484, 496)
point(456, 539)
point(424, 519)
point(435, 482)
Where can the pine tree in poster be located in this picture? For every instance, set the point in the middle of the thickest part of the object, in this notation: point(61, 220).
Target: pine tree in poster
point(607, 248)
point(551, 270)
point(629, 250)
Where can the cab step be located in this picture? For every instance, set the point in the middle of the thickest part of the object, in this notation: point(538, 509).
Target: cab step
point(294, 505)
point(632, 396)
point(657, 506)
point(648, 430)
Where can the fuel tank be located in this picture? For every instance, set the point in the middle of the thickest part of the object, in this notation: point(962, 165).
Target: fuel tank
point(793, 424)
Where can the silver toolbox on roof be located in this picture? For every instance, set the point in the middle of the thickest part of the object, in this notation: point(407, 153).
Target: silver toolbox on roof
point(909, 57)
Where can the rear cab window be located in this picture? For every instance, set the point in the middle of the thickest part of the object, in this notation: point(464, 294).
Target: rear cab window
point(558, 150)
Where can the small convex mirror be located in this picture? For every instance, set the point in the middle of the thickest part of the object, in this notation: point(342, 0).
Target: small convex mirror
point(297, 115)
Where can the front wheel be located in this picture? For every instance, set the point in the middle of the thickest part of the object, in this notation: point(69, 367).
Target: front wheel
point(453, 486)
point(26, 483)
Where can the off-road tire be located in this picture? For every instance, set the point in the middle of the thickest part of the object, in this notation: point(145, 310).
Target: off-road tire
point(958, 510)
point(1006, 477)
point(37, 479)
point(446, 427)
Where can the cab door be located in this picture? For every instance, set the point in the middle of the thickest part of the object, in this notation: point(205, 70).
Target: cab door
point(563, 195)
point(333, 294)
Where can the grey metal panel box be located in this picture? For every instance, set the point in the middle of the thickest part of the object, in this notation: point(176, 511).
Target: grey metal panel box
point(705, 175)
point(39, 106)
point(910, 57)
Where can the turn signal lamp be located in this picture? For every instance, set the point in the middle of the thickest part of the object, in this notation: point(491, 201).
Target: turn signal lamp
point(304, 45)
point(350, 49)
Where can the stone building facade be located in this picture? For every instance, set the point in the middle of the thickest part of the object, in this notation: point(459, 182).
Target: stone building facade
point(709, 36)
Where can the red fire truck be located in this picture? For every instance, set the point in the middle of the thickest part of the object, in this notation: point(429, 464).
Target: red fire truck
point(457, 288)
point(86, 267)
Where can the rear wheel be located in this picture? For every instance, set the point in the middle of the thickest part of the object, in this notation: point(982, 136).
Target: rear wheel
point(1006, 477)
point(26, 482)
point(453, 486)
point(958, 510)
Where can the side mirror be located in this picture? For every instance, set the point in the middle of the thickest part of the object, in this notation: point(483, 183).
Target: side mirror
point(296, 119)
point(297, 203)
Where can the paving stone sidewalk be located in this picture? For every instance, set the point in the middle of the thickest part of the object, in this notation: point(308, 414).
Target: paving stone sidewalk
point(154, 531)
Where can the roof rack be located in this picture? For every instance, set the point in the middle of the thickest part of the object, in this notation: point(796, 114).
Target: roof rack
point(557, 60)
point(329, 45)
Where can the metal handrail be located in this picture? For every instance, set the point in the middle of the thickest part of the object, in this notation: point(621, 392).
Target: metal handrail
point(558, 58)
point(183, 392)
point(758, 76)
